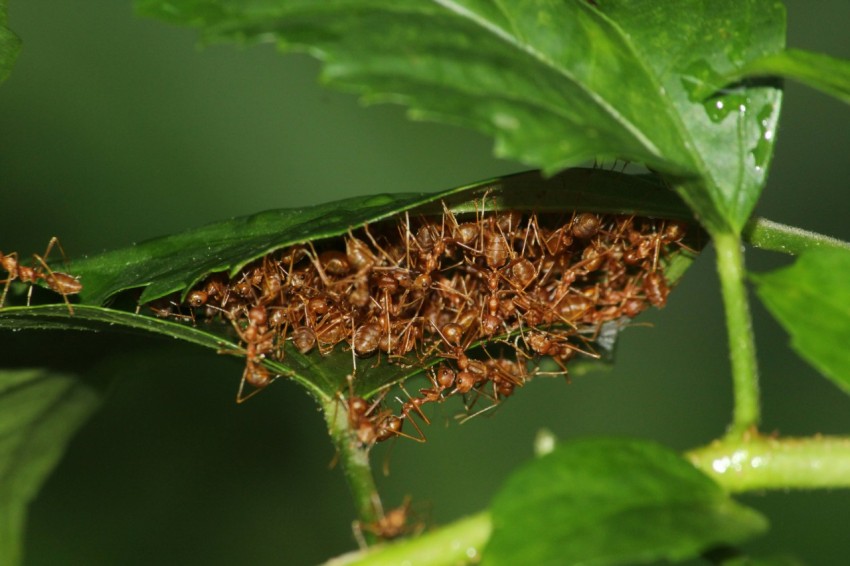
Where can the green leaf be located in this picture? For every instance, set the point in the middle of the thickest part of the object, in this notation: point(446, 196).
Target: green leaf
point(323, 376)
point(39, 413)
point(555, 83)
point(511, 71)
point(828, 74)
point(811, 299)
point(99, 319)
point(601, 501)
point(175, 263)
point(777, 560)
point(731, 135)
point(10, 44)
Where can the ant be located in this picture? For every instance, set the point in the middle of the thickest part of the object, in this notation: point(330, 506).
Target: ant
point(654, 244)
point(442, 380)
point(166, 307)
point(57, 281)
point(391, 525)
point(259, 342)
point(656, 289)
point(372, 423)
point(303, 338)
point(504, 375)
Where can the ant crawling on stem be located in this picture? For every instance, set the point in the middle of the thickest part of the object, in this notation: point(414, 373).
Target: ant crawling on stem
point(390, 525)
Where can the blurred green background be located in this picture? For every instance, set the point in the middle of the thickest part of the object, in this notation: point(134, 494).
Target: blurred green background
point(115, 129)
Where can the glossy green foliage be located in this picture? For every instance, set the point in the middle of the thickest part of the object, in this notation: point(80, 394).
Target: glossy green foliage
point(811, 299)
point(731, 134)
point(554, 83)
point(779, 560)
point(10, 44)
point(323, 376)
point(97, 319)
point(174, 263)
point(828, 74)
point(39, 413)
point(607, 501)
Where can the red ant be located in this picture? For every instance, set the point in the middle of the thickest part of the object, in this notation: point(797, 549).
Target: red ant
point(57, 281)
point(391, 525)
point(645, 245)
point(372, 423)
point(167, 307)
point(258, 343)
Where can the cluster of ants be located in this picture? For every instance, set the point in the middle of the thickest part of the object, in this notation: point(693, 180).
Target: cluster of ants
point(417, 289)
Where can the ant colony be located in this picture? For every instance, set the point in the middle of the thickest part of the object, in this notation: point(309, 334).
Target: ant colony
point(487, 296)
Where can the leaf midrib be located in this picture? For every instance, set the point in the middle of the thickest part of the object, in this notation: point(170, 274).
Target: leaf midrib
point(536, 55)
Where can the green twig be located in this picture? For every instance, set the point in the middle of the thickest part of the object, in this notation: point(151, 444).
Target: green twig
point(773, 236)
point(759, 463)
point(354, 459)
point(460, 542)
point(749, 463)
point(742, 350)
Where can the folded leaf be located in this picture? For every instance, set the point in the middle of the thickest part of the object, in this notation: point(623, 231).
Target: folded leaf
point(175, 263)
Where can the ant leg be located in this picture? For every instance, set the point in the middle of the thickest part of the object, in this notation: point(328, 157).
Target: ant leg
point(353, 353)
point(64, 284)
point(412, 405)
point(466, 418)
point(239, 398)
point(357, 529)
point(7, 282)
point(383, 252)
point(54, 241)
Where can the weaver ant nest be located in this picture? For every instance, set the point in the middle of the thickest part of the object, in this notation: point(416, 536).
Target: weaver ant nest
point(418, 290)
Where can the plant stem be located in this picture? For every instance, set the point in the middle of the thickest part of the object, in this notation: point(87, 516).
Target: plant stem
point(749, 463)
point(759, 463)
point(354, 459)
point(742, 350)
point(460, 542)
point(766, 234)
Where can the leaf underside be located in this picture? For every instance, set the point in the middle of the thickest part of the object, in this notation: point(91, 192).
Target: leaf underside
point(174, 263)
point(827, 74)
point(555, 84)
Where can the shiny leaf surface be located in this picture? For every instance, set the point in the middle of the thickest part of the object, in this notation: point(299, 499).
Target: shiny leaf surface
point(554, 83)
point(811, 299)
point(601, 501)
